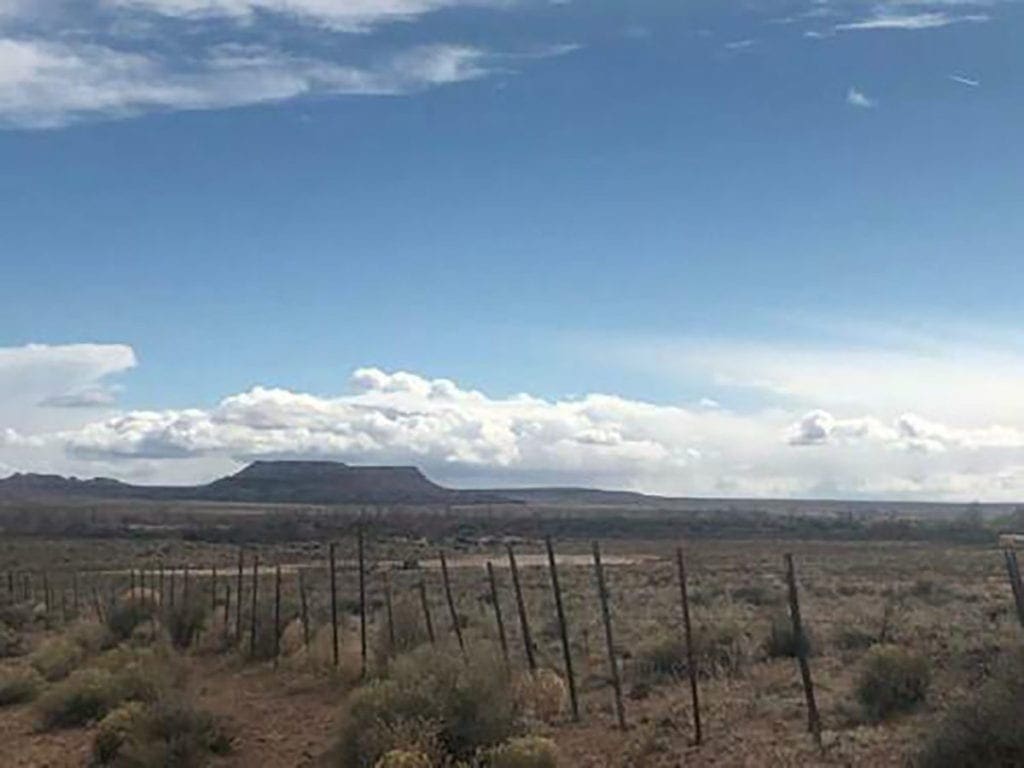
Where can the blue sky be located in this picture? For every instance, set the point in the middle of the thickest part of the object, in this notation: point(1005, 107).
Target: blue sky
point(656, 201)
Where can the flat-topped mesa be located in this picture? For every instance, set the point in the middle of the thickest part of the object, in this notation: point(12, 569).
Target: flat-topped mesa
point(327, 482)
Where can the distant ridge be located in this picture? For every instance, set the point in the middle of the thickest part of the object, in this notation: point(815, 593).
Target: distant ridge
point(269, 482)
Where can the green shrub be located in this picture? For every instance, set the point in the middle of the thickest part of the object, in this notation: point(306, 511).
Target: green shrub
point(757, 594)
point(170, 733)
point(17, 616)
point(854, 639)
point(988, 729)
point(430, 695)
point(18, 685)
point(124, 616)
point(113, 730)
point(184, 622)
point(782, 641)
point(12, 643)
point(523, 752)
point(893, 680)
point(409, 630)
point(403, 758)
point(57, 658)
point(91, 637)
point(86, 695)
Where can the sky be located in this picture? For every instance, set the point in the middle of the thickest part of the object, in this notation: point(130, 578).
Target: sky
point(696, 248)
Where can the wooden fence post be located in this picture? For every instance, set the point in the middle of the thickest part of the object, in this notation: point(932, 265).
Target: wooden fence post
point(213, 589)
point(255, 604)
point(456, 626)
point(10, 586)
point(239, 587)
point(613, 667)
point(277, 612)
point(170, 587)
point(160, 588)
point(334, 603)
point(813, 719)
point(184, 585)
point(691, 661)
point(524, 622)
point(227, 610)
point(497, 612)
point(1013, 572)
point(131, 588)
point(46, 591)
point(305, 610)
point(425, 603)
point(390, 612)
point(362, 600)
point(563, 629)
point(74, 592)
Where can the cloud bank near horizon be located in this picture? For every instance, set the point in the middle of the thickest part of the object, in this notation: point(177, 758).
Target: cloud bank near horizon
point(69, 422)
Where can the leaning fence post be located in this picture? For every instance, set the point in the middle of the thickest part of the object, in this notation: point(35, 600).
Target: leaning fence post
point(305, 610)
point(1013, 571)
point(524, 622)
point(425, 603)
point(456, 627)
point(602, 592)
point(255, 605)
point(277, 612)
point(813, 719)
point(334, 603)
point(563, 629)
point(497, 612)
point(691, 661)
point(362, 599)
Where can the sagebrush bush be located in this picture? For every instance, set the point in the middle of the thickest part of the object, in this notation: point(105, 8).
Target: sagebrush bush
point(988, 729)
point(893, 680)
point(170, 733)
point(403, 758)
point(436, 696)
point(409, 630)
point(184, 622)
point(57, 658)
point(86, 695)
point(660, 657)
point(523, 752)
point(782, 641)
point(92, 637)
point(18, 685)
point(542, 695)
point(17, 616)
point(124, 616)
point(12, 643)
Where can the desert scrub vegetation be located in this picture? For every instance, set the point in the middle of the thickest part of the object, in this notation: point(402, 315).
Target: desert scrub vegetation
point(985, 730)
point(893, 680)
point(408, 628)
point(782, 641)
point(431, 701)
point(168, 732)
point(522, 752)
point(18, 685)
point(57, 658)
point(122, 675)
point(125, 616)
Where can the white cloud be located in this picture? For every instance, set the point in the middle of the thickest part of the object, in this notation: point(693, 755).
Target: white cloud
point(887, 20)
point(969, 82)
point(857, 98)
point(340, 15)
point(46, 84)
